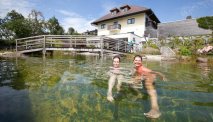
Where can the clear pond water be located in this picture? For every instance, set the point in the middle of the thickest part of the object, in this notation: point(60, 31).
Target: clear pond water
point(73, 88)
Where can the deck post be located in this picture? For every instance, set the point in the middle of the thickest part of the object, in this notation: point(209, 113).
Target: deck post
point(70, 41)
point(44, 46)
point(125, 47)
point(16, 46)
point(118, 44)
point(26, 45)
point(101, 41)
point(75, 41)
point(51, 41)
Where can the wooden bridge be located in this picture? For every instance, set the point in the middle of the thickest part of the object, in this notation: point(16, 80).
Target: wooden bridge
point(77, 43)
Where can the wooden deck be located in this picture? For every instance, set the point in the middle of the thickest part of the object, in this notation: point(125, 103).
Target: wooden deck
point(78, 43)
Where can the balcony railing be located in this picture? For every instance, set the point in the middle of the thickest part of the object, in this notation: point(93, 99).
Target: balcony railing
point(114, 27)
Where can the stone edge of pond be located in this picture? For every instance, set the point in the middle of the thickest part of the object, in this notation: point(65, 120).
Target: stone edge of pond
point(158, 58)
point(10, 55)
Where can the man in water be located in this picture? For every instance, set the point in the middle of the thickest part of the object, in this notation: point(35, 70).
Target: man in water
point(146, 76)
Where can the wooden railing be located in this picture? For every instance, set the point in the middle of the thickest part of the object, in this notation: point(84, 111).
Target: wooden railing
point(53, 42)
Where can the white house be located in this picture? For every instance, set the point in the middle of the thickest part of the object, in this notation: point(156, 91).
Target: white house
point(132, 23)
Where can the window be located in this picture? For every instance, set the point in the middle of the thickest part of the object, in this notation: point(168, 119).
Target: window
point(133, 39)
point(114, 12)
point(103, 26)
point(131, 21)
point(125, 9)
point(147, 22)
point(115, 23)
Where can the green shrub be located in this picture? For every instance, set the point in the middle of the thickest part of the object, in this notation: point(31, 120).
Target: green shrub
point(154, 46)
point(184, 51)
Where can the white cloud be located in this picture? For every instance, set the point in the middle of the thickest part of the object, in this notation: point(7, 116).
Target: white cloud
point(22, 6)
point(79, 23)
point(66, 13)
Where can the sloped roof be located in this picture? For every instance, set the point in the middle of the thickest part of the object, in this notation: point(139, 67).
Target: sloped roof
point(133, 10)
point(188, 27)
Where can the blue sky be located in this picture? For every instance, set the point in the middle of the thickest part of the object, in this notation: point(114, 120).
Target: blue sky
point(80, 13)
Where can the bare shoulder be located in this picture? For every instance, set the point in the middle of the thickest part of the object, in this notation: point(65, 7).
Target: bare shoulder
point(146, 69)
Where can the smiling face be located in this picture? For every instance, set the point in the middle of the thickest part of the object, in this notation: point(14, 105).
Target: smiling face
point(116, 62)
point(137, 61)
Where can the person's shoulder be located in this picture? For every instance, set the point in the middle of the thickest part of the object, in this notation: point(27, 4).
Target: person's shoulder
point(147, 69)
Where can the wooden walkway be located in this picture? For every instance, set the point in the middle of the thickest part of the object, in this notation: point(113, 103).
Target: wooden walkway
point(77, 43)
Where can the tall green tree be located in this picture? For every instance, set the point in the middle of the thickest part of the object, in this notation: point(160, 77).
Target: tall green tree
point(54, 27)
point(13, 26)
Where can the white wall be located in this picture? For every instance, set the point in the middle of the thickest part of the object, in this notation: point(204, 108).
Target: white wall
point(138, 27)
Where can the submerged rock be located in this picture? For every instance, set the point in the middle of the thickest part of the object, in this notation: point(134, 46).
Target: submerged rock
point(202, 60)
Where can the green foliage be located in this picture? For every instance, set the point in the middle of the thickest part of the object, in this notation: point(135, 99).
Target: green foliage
point(195, 45)
point(151, 44)
point(205, 22)
point(210, 40)
point(184, 51)
point(54, 27)
point(174, 43)
point(14, 25)
point(71, 31)
point(154, 46)
point(187, 43)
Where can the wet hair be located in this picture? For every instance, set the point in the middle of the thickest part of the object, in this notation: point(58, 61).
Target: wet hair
point(116, 57)
point(139, 56)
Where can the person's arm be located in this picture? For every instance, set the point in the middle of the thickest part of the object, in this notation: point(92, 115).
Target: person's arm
point(161, 75)
point(132, 72)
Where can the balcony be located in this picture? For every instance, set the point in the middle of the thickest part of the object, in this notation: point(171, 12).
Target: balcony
point(114, 27)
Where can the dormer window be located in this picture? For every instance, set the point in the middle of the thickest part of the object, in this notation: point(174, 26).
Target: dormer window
point(125, 8)
point(114, 11)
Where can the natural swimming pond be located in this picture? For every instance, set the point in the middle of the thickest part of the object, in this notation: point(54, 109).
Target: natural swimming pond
point(73, 88)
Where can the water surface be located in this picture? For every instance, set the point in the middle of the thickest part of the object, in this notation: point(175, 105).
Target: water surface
point(73, 88)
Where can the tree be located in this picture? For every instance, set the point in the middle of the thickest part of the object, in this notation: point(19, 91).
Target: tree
point(37, 23)
point(71, 31)
point(13, 26)
point(205, 22)
point(189, 17)
point(54, 27)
